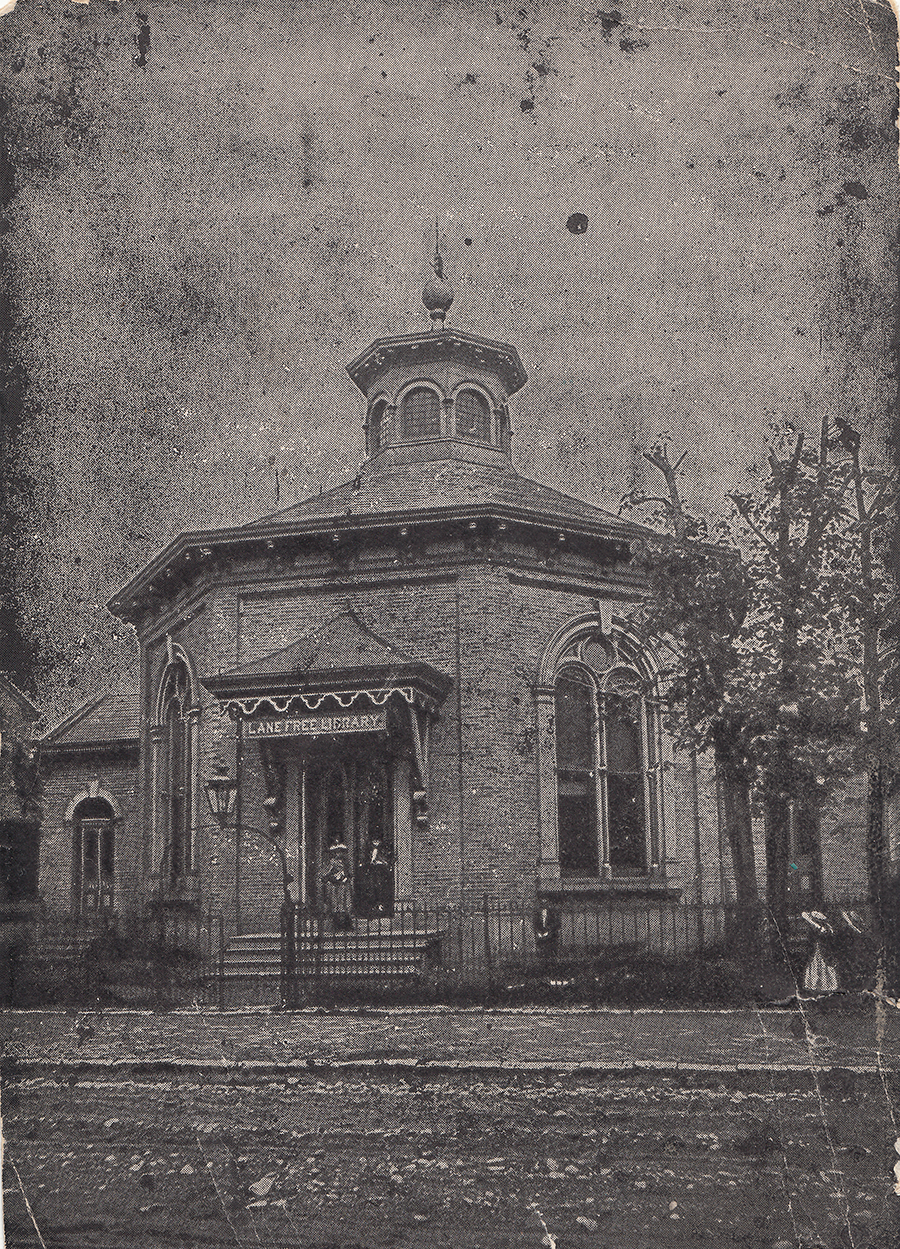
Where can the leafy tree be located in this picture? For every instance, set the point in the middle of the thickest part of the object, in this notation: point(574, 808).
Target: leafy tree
point(775, 640)
point(872, 608)
point(697, 602)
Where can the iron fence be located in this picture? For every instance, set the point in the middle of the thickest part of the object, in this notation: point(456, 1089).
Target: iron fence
point(496, 939)
point(157, 958)
point(166, 957)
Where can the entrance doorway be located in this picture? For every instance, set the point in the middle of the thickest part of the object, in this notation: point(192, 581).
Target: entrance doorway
point(348, 802)
point(93, 858)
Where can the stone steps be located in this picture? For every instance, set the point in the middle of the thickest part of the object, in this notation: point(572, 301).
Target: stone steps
point(375, 950)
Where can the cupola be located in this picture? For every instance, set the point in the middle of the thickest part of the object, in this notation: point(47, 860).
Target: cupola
point(438, 394)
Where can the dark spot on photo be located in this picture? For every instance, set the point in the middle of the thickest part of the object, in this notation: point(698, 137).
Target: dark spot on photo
point(468, 242)
point(142, 39)
point(631, 45)
point(856, 189)
point(526, 105)
point(577, 223)
point(609, 21)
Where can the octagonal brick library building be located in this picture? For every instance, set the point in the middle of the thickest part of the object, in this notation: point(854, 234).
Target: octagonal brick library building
point(429, 665)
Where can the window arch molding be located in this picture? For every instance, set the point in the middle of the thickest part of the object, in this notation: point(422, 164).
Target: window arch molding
point(601, 756)
point(485, 391)
point(404, 395)
point(490, 403)
point(380, 422)
point(631, 651)
point(95, 791)
point(175, 741)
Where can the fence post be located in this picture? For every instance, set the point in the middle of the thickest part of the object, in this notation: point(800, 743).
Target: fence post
point(487, 939)
point(221, 962)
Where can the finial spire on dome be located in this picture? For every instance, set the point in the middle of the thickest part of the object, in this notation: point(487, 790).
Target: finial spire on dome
point(438, 293)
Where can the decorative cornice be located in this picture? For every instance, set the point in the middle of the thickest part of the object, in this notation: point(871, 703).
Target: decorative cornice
point(146, 583)
point(284, 704)
point(380, 355)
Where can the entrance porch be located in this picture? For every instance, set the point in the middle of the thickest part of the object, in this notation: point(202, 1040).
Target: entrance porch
point(332, 737)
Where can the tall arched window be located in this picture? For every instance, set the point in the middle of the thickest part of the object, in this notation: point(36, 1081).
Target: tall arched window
point(607, 766)
point(420, 414)
point(174, 772)
point(473, 416)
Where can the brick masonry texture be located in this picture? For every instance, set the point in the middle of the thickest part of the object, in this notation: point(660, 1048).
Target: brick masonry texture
point(472, 620)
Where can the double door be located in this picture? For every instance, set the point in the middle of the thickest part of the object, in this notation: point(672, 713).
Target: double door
point(347, 802)
point(94, 866)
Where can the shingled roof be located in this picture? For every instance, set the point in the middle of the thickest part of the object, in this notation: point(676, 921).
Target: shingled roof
point(431, 491)
point(112, 720)
point(440, 485)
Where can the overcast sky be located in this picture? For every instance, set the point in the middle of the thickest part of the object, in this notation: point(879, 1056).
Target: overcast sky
point(217, 206)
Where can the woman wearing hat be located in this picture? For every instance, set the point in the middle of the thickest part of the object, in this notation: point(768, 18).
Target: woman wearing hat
point(337, 887)
point(836, 937)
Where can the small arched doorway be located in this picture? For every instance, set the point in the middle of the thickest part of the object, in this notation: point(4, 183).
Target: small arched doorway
point(93, 857)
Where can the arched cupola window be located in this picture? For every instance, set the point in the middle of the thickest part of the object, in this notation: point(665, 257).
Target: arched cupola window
point(379, 432)
point(473, 416)
point(420, 414)
point(607, 765)
point(174, 771)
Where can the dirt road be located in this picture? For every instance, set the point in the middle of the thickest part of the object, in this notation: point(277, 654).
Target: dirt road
point(322, 1160)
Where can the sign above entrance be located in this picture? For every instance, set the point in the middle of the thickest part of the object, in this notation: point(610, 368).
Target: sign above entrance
point(311, 726)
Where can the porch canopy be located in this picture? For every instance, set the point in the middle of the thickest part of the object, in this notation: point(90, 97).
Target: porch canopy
point(333, 680)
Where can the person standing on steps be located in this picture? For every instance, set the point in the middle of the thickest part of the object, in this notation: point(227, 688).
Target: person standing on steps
point(377, 879)
point(337, 888)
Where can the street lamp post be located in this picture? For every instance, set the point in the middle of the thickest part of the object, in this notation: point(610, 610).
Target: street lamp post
point(222, 795)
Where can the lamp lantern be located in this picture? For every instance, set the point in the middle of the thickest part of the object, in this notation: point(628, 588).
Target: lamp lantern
point(221, 794)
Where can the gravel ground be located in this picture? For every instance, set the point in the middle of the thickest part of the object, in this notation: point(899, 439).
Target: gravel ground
point(483, 1163)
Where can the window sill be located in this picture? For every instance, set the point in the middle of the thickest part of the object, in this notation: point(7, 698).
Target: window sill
point(650, 886)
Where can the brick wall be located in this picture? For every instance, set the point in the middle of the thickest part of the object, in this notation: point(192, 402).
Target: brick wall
point(485, 629)
point(483, 624)
point(65, 777)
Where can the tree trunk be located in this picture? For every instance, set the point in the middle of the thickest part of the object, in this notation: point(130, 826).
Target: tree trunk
point(778, 839)
point(875, 848)
point(739, 831)
point(734, 791)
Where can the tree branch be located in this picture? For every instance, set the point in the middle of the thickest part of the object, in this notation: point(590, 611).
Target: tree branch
point(660, 460)
point(743, 511)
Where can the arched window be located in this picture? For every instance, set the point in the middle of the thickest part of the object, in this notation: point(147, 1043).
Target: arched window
point(379, 434)
point(93, 857)
point(607, 771)
point(420, 414)
point(174, 772)
point(473, 416)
